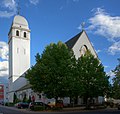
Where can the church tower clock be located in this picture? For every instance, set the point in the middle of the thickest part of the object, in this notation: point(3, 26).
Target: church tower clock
point(19, 50)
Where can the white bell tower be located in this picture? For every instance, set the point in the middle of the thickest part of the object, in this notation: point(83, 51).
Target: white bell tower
point(19, 50)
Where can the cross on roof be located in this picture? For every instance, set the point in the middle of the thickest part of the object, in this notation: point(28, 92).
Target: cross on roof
point(18, 7)
point(82, 25)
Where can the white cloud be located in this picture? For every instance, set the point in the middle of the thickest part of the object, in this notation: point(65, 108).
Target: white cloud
point(3, 50)
point(6, 14)
point(105, 66)
point(115, 48)
point(111, 74)
point(107, 26)
point(3, 68)
point(3, 60)
point(9, 4)
point(98, 51)
point(34, 2)
point(10, 8)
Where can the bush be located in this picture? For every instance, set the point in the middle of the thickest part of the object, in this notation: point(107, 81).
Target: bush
point(57, 108)
point(38, 108)
point(6, 104)
point(9, 104)
point(111, 104)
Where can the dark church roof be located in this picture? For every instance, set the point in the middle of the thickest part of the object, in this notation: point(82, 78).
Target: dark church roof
point(70, 43)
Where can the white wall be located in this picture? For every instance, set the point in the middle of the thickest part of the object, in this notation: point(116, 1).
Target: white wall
point(83, 40)
point(19, 83)
point(21, 57)
point(19, 54)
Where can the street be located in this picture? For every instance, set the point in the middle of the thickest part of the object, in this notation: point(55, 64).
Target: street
point(12, 110)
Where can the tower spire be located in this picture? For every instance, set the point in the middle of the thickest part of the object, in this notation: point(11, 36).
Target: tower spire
point(18, 8)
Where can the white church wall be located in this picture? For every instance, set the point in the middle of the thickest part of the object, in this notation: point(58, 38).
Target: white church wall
point(19, 60)
point(21, 57)
point(10, 58)
point(83, 40)
point(20, 21)
point(19, 54)
point(19, 83)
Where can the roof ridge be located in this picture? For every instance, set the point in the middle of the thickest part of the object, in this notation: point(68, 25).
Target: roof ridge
point(71, 42)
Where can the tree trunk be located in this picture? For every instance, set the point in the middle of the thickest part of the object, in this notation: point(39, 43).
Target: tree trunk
point(76, 100)
point(56, 99)
point(87, 103)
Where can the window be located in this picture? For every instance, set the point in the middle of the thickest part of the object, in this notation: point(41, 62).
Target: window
point(24, 51)
point(25, 34)
point(17, 33)
point(17, 50)
point(83, 50)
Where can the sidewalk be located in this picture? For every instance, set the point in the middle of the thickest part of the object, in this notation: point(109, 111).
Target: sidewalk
point(14, 108)
point(71, 109)
point(74, 109)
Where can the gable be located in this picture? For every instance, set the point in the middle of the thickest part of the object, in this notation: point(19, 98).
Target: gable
point(70, 43)
point(80, 41)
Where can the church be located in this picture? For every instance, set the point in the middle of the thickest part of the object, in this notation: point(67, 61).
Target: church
point(19, 58)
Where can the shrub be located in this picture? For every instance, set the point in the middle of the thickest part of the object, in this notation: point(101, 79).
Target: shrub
point(57, 108)
point(38, 108)
point(9, 104)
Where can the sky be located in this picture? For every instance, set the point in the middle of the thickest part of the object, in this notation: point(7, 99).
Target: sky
point(51, 21)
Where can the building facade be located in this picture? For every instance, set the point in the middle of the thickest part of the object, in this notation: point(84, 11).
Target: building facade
point(19, 52)
point(19, 59)
point(1, 93)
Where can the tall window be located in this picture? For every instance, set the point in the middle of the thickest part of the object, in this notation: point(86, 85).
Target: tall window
point(17, 50)
point(17, 33)
point(24, 51)
point(83, 50)
point(25, 34)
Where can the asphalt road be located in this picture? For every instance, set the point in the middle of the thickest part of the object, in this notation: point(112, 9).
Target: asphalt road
point(12, 110)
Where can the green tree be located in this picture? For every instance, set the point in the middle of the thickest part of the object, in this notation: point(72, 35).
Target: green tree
point(25, 98)
point(91, 77)
point(116, 82)
point(35, 75)
point(29, 99)
point(53, 71)
point(14, 98)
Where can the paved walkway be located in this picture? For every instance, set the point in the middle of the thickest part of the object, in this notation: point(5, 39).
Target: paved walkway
point(64, 109)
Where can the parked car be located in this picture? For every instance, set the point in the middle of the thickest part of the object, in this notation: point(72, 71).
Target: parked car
point(59, 104)
point(1, 103)
point(51, 104)
point(22, 105)
point(119, 106)
point(35, 105)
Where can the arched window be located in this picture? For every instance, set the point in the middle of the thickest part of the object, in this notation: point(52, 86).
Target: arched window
point(83, 50)
point(25, 34)
point(17, 33)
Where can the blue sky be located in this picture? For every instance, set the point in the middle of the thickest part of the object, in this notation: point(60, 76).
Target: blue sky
point(60, 20)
